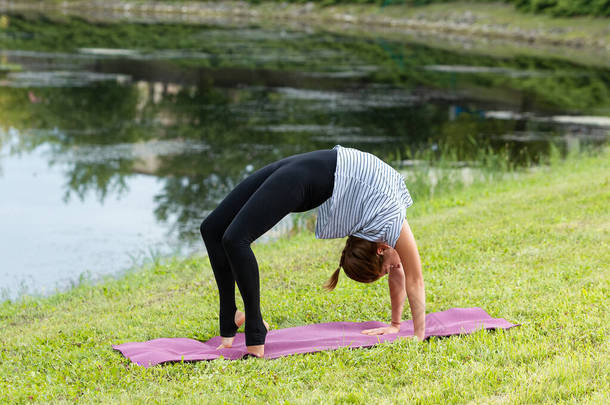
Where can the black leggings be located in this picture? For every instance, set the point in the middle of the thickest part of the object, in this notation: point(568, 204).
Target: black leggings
point(294, 184)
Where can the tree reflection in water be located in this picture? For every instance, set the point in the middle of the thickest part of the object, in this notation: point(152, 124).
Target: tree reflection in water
point(201, 121)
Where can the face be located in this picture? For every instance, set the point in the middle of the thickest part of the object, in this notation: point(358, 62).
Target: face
point(386, 265)
point(389, 258)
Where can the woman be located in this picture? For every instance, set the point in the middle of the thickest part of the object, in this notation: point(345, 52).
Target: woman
point(358, 195)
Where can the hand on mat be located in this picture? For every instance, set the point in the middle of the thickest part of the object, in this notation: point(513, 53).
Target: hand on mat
point(386, 330)
point(227, 342)
point(258, 350)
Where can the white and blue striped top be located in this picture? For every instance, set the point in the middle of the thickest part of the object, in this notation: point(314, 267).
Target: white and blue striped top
point(369, 200)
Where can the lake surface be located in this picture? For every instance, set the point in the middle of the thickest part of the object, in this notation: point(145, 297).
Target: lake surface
point(117, 139)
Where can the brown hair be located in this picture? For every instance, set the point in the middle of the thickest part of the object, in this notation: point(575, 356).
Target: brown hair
point(360, 262)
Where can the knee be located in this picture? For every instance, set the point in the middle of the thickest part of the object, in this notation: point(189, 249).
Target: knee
point(232, 240)
point(203, 228)
point(208, 230)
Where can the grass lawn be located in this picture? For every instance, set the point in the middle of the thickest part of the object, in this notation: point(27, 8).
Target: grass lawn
point(532, 249)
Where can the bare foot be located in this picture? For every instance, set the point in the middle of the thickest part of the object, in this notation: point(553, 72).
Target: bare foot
point(239, 319)
point(226, 343)
point(258, 350)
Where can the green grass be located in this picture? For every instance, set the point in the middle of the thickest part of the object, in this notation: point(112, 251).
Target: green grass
point(532, 249)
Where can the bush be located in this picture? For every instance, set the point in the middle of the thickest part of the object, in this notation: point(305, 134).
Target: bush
point(564, 8)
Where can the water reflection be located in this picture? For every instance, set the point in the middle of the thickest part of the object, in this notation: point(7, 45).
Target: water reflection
point(199, 118)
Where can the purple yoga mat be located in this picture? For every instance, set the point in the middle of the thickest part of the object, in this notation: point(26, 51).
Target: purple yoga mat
point(308, 338)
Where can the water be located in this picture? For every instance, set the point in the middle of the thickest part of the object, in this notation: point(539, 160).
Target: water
point(51, 240)
point(117, 139)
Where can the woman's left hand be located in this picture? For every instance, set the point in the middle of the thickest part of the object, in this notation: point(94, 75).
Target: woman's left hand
point(386, 330)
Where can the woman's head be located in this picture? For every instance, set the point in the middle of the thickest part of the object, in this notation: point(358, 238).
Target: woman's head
point(360, 261)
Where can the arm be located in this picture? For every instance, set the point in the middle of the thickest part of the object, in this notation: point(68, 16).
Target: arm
point(413, 280)
point(405, 278)
point(396, 282)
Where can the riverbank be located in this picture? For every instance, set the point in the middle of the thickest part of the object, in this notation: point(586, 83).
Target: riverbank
point(484, 28)
point(492, 20)
point(532, 249)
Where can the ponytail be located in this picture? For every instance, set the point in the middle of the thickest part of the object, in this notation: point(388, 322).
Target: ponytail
point(359, 261)
point(332, 281)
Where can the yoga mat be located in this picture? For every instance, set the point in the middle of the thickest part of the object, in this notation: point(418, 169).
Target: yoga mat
point(308, 338)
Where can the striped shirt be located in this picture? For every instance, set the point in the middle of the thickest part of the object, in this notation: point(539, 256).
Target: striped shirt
point(369, 200)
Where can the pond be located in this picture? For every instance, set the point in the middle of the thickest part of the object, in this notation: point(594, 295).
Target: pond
point(117, 139)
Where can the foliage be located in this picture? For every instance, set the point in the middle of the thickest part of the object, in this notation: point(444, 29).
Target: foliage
point(565, 7)
point(533, 250)
point(553, 7)
point(233, 114)
point(558, 84)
